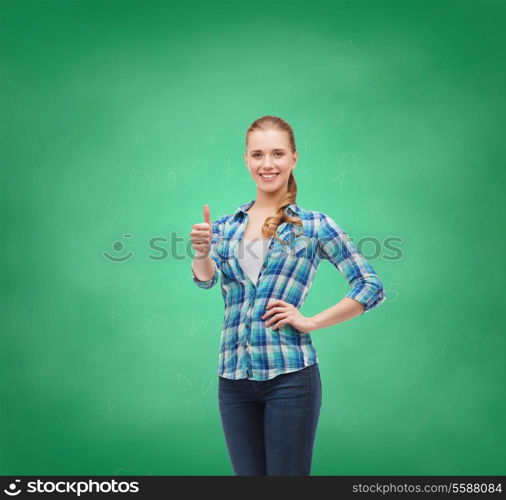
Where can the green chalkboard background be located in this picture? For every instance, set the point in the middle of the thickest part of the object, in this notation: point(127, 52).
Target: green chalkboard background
point(120, 120)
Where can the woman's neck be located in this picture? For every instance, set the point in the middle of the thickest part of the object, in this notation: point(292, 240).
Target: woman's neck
point(266, 203)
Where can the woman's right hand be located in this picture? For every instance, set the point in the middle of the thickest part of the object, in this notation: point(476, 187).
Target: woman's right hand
point(201, 234)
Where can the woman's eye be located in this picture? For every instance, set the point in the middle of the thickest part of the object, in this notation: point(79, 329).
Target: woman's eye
point(256, 155)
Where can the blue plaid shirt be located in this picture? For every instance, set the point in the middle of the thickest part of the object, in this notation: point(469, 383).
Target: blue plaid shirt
point(249, 349)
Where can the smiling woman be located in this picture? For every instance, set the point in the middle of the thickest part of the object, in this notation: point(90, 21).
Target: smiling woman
point(271, 157)
point(269, 379)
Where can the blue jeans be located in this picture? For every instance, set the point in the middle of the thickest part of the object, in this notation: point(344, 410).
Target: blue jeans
point(270, 425)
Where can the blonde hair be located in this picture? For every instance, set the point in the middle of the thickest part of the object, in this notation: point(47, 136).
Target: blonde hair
point(271, 224)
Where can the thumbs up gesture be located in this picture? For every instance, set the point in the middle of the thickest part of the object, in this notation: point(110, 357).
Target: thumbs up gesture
point(201, 234)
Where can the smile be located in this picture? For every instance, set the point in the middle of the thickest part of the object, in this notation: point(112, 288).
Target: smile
point(268, 177)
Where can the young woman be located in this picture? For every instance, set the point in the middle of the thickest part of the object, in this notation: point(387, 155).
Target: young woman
point(267, 253)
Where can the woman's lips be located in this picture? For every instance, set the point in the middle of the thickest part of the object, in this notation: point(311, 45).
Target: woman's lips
point(269, 179)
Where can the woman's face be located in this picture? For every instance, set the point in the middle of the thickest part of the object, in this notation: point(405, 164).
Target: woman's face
point(268, 152)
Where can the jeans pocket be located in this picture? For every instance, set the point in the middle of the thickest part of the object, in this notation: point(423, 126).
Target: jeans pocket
point(307, 376)
point(313, 373)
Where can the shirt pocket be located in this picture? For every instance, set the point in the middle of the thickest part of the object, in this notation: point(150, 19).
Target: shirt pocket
point(224, 249)
point(225, 252)
point(297, 249)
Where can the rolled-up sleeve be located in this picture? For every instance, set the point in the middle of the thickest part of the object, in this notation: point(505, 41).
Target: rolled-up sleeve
point(335, 245)
point(216, 235)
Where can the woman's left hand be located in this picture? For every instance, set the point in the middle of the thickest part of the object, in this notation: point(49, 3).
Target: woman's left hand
point(286, 313)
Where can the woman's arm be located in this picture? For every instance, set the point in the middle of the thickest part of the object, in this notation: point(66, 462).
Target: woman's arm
point(203, 267)
point(279, 312)
point(366, 289)
point(342, 311)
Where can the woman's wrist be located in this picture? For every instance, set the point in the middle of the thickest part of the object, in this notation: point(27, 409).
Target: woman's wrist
point(313, 324)
point(203, 266)
point(344, 310)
